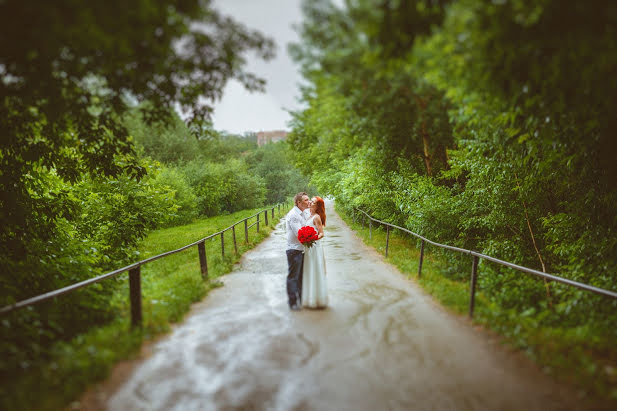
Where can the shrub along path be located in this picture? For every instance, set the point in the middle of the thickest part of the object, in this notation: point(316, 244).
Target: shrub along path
point(381, 344)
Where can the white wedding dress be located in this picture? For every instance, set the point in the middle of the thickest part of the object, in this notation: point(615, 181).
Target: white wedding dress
point(314, 287)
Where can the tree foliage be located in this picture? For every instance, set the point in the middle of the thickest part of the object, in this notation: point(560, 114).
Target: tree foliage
point(273, 165)
point(67, 80)
point(388, 104)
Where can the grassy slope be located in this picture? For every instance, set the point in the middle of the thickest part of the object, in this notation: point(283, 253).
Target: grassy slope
point(169, 286)
point(579, 356)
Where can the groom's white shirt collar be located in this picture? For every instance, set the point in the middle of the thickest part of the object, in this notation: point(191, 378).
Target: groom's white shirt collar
point(306, 213)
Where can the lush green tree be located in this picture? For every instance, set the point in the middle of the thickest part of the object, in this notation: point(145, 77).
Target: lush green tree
point(220, 146)
point(169, 143)
point(116, 213)
point(350, 53)
point(224, 187)
point(273, 163)
point(184, 197)
point(241, 188)
point(67, 79)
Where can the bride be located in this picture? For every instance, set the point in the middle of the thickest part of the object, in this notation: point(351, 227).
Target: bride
point(314, 289)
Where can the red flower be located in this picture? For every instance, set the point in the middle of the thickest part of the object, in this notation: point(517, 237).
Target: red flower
point(307, 236)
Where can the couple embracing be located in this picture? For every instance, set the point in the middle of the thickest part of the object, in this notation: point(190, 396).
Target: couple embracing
point(306, 278)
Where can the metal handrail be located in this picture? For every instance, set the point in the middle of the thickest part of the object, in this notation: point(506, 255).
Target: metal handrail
point(477, 255)
point(134, 269)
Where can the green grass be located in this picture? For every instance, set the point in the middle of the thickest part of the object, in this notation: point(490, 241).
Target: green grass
point(584, 357)
point(169, 286)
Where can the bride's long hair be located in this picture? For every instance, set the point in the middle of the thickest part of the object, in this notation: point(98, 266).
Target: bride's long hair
point(320, 209)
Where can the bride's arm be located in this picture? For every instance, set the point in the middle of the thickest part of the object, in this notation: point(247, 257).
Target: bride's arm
point(319, 225)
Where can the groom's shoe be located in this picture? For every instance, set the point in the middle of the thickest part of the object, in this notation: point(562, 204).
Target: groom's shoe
point(298, 301)
point(296, 305)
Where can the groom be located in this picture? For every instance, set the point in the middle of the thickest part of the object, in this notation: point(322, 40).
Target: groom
point(295, 220)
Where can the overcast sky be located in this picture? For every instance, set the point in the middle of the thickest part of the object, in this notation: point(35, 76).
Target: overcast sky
point(241, 111)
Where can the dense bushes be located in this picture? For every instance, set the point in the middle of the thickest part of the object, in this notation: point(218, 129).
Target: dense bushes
point(223, 187)
point(108, 216)
point(184, 196)
point(117, 213)
point(272, 163)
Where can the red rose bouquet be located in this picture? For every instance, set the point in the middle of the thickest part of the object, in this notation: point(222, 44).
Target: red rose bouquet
point(307, 236)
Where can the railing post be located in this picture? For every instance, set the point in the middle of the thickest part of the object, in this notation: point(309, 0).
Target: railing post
point(266, 217)
point(370, 229)
point(135, 295)
point(474, 273)
point(258, 222)
point(203, 260)
point(223, 244)
point(387, 239)
point(279, 210)
point(421, 259)
point(233, 231)
point(272, 213)
point(246, 232)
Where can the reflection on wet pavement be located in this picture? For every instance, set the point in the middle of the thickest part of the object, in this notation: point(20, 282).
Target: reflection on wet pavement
point(381, 344)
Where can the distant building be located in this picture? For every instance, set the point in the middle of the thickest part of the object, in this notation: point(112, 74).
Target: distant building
point(264, 137)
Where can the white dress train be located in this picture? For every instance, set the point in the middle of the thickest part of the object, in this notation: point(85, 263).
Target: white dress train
point(314, 287)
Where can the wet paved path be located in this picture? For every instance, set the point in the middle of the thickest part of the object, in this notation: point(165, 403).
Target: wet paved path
point(381, 345)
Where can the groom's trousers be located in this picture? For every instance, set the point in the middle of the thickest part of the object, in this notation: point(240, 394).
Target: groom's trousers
point(295, 258)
